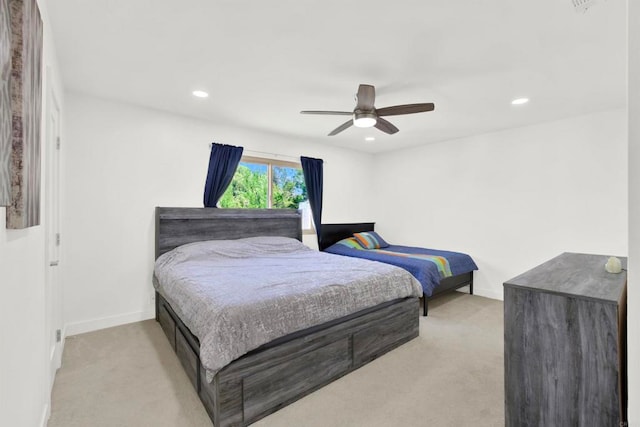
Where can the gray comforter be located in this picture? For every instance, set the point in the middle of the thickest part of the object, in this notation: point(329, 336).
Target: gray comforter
point(236, 295)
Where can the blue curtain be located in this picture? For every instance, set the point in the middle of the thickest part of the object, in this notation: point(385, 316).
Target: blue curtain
point(223, 163)
point(312, 170)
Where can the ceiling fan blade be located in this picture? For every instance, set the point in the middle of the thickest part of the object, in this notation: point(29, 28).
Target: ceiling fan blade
point(366, 97)
point(397, 110)
point(386, 126)
point(342, 127)
point(334, 113)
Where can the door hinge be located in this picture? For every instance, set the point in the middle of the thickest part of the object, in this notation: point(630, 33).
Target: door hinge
point(57, 239)
point(58, 143)
point(58, 335)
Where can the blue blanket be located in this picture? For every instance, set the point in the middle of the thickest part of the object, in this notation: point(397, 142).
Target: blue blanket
point(424, 270)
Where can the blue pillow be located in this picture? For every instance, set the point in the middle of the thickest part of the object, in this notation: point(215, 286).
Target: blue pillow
point(370, 240)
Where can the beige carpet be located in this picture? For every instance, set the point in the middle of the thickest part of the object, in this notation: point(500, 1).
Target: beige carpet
point(451, 375)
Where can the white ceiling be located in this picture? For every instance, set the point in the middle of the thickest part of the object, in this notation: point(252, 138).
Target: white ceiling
point(264, 61)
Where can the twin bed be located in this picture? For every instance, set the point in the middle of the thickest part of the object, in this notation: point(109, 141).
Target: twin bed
point(293, 321)
point(420, 262)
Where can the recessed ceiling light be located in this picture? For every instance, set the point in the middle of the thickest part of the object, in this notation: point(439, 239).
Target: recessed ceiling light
point(200, 93)
point(519, 101)
point(369, 138)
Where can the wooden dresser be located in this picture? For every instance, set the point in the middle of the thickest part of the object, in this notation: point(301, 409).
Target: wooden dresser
point(565, 344)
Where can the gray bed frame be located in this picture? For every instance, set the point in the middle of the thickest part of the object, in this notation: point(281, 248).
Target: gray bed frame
point(285, 370)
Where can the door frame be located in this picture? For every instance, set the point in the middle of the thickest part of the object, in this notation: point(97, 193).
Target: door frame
point(53, 292)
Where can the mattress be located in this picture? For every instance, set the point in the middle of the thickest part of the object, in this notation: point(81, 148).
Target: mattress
point(428, 266)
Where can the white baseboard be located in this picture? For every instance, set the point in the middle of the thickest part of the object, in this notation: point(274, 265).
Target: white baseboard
point(107, 322)
point(482, 292)
point(488, 293)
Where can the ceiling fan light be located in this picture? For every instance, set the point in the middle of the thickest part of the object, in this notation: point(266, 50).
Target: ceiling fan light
point(364, 120)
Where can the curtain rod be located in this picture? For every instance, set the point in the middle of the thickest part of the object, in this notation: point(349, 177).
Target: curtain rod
point(297, 159)
point(272, 154)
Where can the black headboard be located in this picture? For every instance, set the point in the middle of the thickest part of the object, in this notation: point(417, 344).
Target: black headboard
point(179, 226)
point(333, 233)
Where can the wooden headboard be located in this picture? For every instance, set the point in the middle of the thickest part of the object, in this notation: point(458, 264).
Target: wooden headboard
point(333, 233)
point(179, 226)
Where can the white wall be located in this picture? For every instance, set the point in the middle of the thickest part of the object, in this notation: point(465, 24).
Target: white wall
point(24, 367)
point(511, 199)
point(22, 316)
point(122, 162)
point(633, 307)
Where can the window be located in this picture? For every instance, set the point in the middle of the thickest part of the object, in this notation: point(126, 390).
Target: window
point(265, 183)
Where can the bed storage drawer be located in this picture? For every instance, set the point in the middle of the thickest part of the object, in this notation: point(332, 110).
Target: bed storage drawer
point(379, 338)
point(167, 323)
point(188, 357)
point(268, 383)
point(289, 380)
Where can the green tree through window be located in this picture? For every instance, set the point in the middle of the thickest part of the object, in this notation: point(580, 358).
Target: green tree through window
point(263, 183)
point(248, 189)
point(288, 187)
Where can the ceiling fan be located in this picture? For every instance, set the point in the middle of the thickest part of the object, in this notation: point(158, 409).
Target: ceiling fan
point(366, 115)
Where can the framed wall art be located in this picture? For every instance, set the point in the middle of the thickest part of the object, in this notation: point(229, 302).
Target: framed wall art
point(25, 87)
point(5, 104)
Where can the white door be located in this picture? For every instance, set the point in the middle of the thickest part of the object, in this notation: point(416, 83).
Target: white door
point(53, 293)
